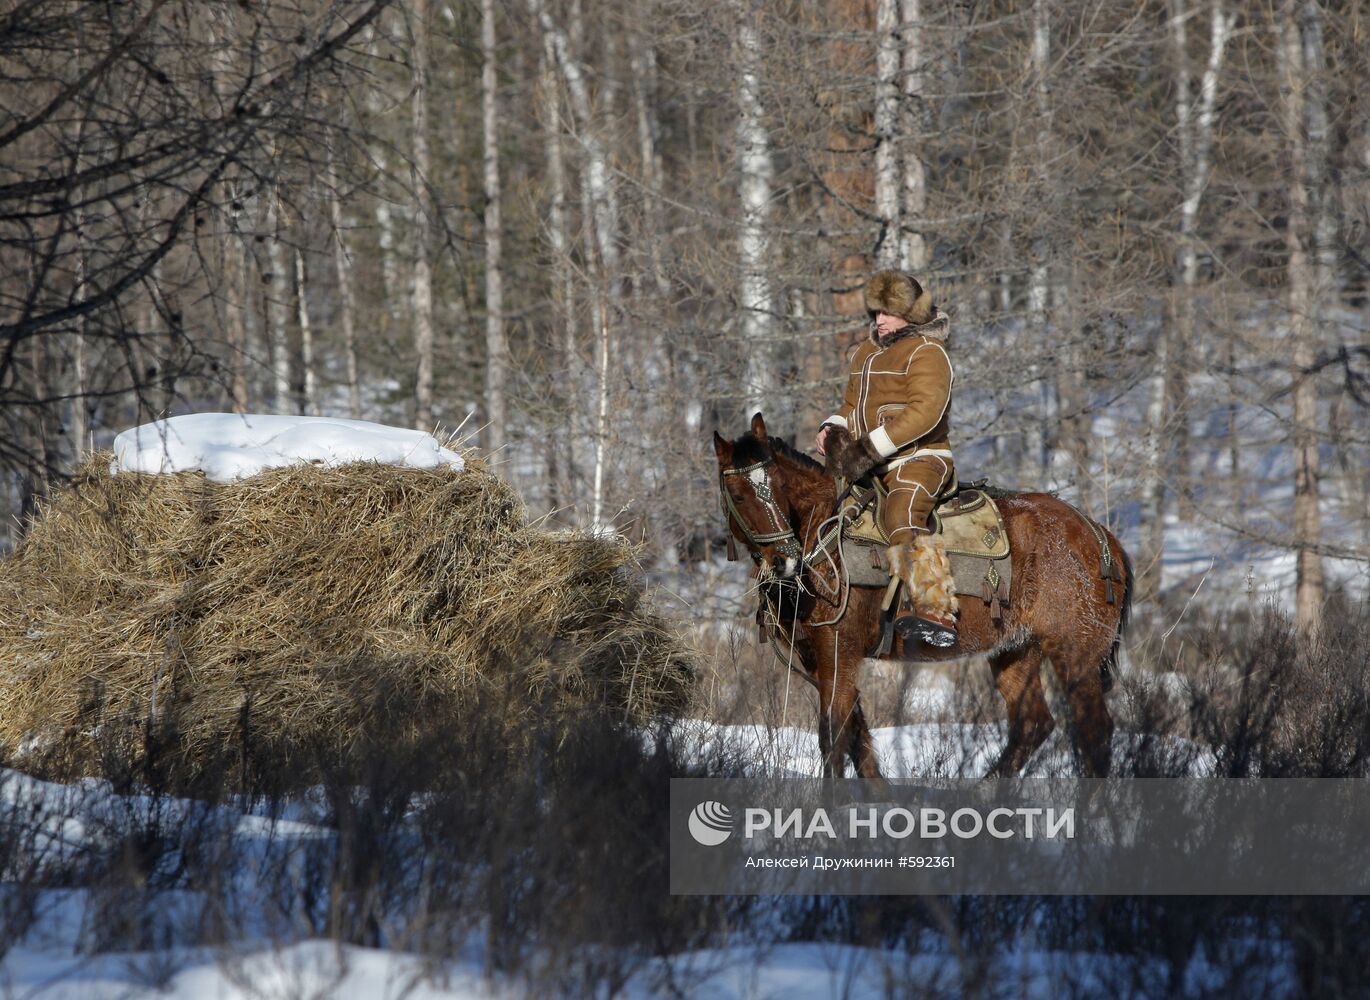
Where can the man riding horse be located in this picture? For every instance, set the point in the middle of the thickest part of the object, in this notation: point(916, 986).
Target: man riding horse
point(1065, 601)
point(893, 423)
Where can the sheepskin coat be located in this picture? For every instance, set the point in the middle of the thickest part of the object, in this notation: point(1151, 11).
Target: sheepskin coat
point(899, 392)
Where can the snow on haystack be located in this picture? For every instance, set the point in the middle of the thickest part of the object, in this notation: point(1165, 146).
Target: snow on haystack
point(227, 447)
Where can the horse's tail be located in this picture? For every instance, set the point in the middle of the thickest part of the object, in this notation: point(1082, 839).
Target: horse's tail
point(1110, 665)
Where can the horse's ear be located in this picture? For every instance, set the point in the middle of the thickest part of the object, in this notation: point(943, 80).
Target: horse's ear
point(759, 427)
point(723, 449)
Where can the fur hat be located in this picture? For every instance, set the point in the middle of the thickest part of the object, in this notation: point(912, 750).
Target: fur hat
point(899, 294)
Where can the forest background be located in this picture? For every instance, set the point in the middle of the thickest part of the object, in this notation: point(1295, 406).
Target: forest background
point(586, 234)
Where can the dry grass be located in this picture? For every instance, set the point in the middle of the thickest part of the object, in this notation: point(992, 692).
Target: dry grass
point(308, 610)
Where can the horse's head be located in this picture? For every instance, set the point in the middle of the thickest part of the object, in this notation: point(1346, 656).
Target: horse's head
point(757, 512)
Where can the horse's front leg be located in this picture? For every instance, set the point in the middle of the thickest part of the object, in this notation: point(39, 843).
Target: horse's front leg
point(862, 750)
point(832, 763)
point(842, 729)
point(824, 667)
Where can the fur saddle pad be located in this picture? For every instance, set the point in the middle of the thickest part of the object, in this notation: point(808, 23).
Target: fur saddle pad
point(973, 530)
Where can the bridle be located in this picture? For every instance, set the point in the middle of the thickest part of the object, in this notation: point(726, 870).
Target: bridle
point(781, 535)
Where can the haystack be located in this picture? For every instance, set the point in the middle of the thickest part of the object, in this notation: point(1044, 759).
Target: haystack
point(308, 609)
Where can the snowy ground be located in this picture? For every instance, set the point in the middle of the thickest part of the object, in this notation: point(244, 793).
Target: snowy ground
point(809, 971)
point(929, 750)
point(316, 968)
point(60, 956)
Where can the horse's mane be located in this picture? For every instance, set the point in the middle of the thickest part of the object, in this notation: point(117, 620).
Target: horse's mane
point(747, 450)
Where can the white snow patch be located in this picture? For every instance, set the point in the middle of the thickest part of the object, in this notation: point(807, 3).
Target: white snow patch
point(230, 446)
point(604, 530)
point(925, 750)
point(306, 969)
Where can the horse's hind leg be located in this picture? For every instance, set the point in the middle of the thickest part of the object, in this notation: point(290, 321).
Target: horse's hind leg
point(1018, 676)
point(1077, 666)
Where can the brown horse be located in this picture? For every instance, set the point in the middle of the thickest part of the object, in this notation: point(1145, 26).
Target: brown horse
point(1059, 608)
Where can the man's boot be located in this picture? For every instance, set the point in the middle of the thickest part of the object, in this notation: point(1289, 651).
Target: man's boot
point(924, 568)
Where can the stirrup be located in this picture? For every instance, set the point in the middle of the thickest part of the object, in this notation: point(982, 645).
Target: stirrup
point(933, 630)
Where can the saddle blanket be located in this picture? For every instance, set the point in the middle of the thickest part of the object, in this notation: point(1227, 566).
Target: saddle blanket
point(973, 530)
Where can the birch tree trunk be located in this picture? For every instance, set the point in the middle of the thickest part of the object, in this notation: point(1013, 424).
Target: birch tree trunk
point(496, 347)
point(80, 407)
point(561, 459)
point(754, 161)
point(342, 267)
point(603, 201)
point(1074, 417)
point(277, 309)
point(392, 317)
point(1166, 408)
point(390, 268)
point(1300, 59)
point(1195, 127)
point(423, 213)
point(1321, 190)
point(254, 334)
point(599, 329)
point(887, 178)
point(38, 458)
point(1152, 564)
point(642, 63)
point(913, 254)
point(236, 310)
point(80, 410)
point(1039, 288)
point(232, 251)
point(601, 210)
point(556, 209)
point(309, 383)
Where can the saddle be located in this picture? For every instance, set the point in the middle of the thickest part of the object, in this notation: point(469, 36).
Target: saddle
point(971, 527)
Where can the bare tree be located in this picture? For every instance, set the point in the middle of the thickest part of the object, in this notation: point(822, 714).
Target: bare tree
point(754, 189)
point(309, 382)
point(423, 219)
point(88, 231)
point(1300, 58)
point(643, 67)
point(276, 282)
point(602, 231)
point(1166, 409)
point(888, 182)
point(1039, 277)
point(496, 346)
point(342, 268)
point(562, 434)
point(913, 253)
point(380, 107)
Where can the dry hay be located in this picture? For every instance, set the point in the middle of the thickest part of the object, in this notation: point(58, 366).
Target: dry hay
point(307, 610)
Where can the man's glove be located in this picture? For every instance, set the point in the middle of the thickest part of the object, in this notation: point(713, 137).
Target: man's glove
point(850, 458)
